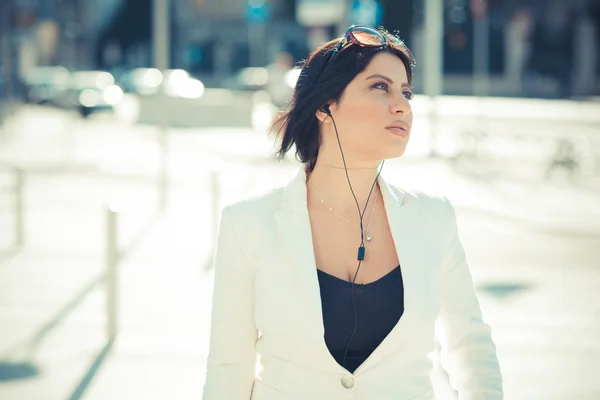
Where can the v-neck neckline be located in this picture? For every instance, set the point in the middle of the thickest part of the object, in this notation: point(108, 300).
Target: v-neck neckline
point(403, 216)
point(343, 281)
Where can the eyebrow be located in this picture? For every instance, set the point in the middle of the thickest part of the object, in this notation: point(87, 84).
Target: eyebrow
point(390, 80)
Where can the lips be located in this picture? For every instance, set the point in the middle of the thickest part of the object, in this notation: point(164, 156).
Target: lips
point(399, 128)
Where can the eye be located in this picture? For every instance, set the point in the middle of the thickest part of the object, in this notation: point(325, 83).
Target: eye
point(408, 94)
point(381, 85)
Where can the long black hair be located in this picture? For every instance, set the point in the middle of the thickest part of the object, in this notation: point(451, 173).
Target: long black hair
point(321, 82)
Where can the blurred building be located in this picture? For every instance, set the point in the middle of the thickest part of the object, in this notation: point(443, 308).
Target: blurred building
point(535, 47)
point(49, 32)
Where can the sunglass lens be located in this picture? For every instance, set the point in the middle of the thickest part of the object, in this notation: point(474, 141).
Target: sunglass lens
point(368, 36)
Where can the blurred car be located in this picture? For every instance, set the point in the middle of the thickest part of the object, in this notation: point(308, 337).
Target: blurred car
point(277, 80)
point(149, 81)
point(43, 85)
point(179, 83)
point(139, 80)
point(249, 78)
point(90, 91)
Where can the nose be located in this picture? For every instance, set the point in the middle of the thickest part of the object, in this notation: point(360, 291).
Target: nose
point(400, 105)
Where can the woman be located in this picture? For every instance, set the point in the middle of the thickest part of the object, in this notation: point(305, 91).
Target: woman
point(340, 281)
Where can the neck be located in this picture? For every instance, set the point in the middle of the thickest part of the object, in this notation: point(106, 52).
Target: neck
point(331, 183)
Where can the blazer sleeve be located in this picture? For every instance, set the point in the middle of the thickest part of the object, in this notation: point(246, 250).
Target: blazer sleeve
point(231, 362)
point(467, 349)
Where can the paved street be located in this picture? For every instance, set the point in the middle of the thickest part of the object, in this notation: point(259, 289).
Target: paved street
point(535, 262)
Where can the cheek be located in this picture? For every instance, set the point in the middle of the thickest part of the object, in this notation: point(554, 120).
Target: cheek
point(366, 114)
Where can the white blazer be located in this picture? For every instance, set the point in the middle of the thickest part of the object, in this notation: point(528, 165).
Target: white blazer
point(266, 302)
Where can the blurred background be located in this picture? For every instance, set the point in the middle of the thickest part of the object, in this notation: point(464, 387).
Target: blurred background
point(126, 125)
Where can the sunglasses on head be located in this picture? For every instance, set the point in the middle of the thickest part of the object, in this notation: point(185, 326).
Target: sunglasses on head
point(364, 36)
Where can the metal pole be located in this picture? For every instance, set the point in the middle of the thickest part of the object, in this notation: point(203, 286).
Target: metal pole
point(7, 54)
point(344, 21)
point(214, 206)
point(480, 64)
point(433, 67)
point(19, 208)
point(253, 45)
point(215, 190)
point(480, 48)
point(112, 288)
point(433, 64)
point(161, 42)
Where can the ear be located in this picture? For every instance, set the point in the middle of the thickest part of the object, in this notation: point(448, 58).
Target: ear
point(321, 116)
point(324, 114)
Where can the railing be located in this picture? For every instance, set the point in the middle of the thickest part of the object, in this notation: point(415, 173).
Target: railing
point(517, 148)
point(111, 277)
point(114, 255)
point(19, 204)
point(16, 189)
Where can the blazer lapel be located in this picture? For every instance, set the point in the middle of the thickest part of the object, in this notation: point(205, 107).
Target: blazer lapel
point(404, 219)
point(294, 229)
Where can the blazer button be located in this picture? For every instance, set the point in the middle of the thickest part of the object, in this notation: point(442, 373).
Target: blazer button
point(347, 381)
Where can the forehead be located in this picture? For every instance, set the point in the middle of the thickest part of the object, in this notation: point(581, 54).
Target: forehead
point(386, 64)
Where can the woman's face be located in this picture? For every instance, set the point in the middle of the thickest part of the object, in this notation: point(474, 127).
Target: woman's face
point(374, 116)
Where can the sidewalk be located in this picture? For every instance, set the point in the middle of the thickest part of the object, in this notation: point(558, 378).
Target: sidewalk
point(52, 297)
point(510, 187)
point(54, 303)
point(552, 205)
point(535, 267)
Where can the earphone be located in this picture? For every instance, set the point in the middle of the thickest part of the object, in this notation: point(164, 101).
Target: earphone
point(361, 250)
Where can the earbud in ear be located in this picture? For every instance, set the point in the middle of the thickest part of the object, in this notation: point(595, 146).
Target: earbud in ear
point(325, 109)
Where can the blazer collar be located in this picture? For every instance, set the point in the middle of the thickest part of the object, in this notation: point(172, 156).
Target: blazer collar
point(296, 238)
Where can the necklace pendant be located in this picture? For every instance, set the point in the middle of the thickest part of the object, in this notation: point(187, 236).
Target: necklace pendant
point(368, 236)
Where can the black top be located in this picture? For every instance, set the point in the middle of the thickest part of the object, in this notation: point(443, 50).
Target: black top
point(379, 306)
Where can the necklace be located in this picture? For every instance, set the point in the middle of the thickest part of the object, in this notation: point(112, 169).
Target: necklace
point(367, 233)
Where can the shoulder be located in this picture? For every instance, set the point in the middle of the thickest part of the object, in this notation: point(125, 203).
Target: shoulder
point(257, 205)
point(436, 211)
point(427, 201)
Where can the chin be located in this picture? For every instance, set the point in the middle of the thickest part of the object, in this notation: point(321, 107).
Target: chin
point(389, 155)
point(384, 150)
point(395, 151)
